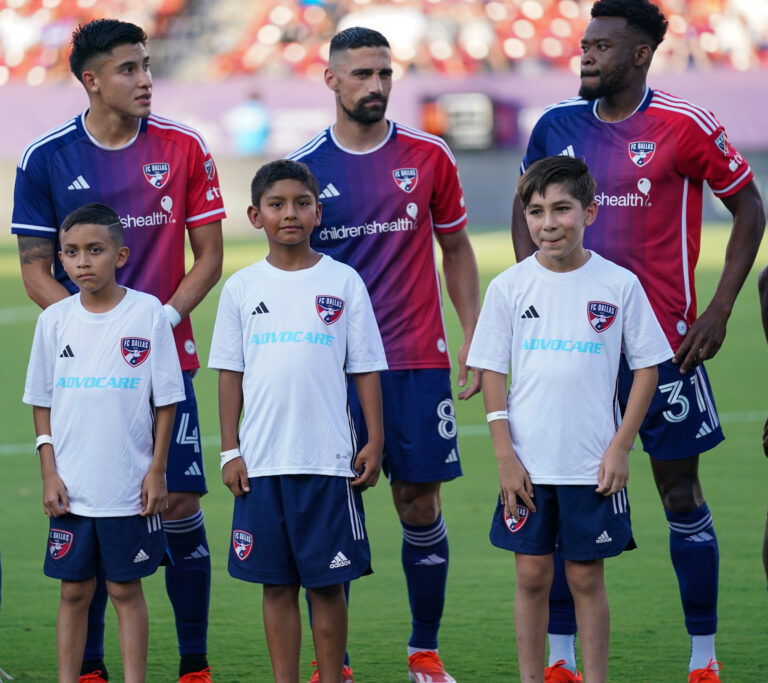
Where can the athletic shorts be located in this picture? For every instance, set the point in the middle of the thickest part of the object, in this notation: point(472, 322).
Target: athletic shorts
point(682, 420)
point(299, 528)
point(185, 455)
point(583, 524)
point(128, 548)
point(420, 442)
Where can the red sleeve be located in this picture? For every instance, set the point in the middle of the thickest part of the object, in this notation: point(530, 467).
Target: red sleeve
point(449, 212)
point(204, 201)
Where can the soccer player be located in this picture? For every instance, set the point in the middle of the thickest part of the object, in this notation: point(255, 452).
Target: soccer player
point(762, 286)
point(288, 331)
point(650, 153)
point(103, 379)
point(160, 178)
point(387, 191)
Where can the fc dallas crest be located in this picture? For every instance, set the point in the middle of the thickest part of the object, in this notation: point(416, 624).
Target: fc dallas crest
point(329, 308)
point(59, 543)
point(157, 174)
point(641, 153)
point(135, 350)
point(242, 542)
point(601, 315)
point(514, 526)
point(406, 178)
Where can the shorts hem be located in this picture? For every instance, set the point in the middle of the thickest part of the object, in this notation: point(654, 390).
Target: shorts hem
point(704, 446)
point(423, 478)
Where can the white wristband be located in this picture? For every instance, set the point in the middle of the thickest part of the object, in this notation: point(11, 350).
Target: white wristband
point(174, 317)
point(497, 415)
point(231, 454)
point(40, 440)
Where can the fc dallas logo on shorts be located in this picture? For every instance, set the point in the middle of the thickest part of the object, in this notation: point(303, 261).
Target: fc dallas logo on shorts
point(157, 174)
point(601, 315)
point(135, 350)
point(514, 526)
point(406, 178)
point(59, 543)
point(329, 308)
point(242, 542)
point(641, 153)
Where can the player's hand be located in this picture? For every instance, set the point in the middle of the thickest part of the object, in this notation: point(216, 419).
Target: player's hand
point(765, 439)
point(613, 474)
point(514, 483)
point(368, 467)
point(235, 477)
point(154, 493)
point(704, 339)
point(477, 375)
point(55, 498)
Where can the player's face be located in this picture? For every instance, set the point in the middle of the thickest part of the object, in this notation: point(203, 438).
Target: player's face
point(607, 51)
point(122, 81)
point(288, 212)
point(556, 222)
point(90, 257)
point(362, 81)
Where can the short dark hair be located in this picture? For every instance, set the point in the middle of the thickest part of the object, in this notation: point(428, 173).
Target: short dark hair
point(282, 169)
point(97, 214)
point(572, 173)
point(641, 15)
point(100, 36)
point(356, 37)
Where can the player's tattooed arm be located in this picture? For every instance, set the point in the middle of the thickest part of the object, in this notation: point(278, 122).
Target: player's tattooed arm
point(36, 259)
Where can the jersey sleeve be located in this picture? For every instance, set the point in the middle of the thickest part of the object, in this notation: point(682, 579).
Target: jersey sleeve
point(491, 347)
point(167, 382)
point(447, 205)
point(536, 145)
point(643, 341)
point(204, 201)
point(38, 388)
point(227, 343)
point(33, 210)
point(365, 350)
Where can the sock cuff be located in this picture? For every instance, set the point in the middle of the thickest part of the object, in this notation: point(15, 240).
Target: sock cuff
point(423, 536)
point(182, 526)
point(691, 522)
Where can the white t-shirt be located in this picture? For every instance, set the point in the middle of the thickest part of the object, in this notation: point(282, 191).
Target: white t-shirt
point(294, 335)
point(563, 334)
point(101, 374)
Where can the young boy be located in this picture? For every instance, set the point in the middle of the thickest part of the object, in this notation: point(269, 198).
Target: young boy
point(103, 380)
point(288, 331)
point(562, 318)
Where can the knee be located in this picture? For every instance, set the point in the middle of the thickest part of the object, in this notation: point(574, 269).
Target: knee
point(585, 578)
point(181, 504)
point(534, 577)
point(681, 496)
point(124, 592)
point(78, 593)
point(417, 504)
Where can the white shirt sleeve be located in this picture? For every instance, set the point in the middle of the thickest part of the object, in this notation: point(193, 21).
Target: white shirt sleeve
point(38, 388)
point(365, 350)
point(167, 382)
point(491, 347)
point(643, 340)
point(227, 343)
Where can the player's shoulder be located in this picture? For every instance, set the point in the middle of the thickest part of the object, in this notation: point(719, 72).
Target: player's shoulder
point(318, 142)
point(180, 133)
point(144, 300)
point(573, 106)
point(50, 142)
point(679, 111)
point(609, 270)
point(421, 139)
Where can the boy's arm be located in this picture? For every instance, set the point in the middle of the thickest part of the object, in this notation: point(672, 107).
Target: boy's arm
point(154, 489)
point(514, 481)
point(55, 499)
point(234, 473)
point(614, 468)
point(368, 460)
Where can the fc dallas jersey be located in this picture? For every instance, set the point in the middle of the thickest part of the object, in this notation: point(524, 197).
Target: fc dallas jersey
point(650, 170)
point(381, 209)
point(161, 181)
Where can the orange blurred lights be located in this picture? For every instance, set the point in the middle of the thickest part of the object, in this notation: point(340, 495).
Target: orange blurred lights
point(294, 53)
point(5, 74)
point(269, 34)
point(560, 27)
point(569, 9)
point(36, 75)
point(524, 29)
point(551, 47)
point(677, 24)
point(496, 11)
point(532, 9)
point(281, 15)
point(514, 48)
point(440, 49)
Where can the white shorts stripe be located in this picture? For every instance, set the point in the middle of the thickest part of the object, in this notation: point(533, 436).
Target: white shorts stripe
point(354, 517)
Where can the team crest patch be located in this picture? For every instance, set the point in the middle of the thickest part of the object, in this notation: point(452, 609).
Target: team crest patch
point(601, 315)
point(514, 526)
point(722, 143)
point(329, 308)
point(157, 174)
point(135, 350)
point(406, 178)
point(210, 169)
point(59, 542)
point(641, 153)
point(242, 542)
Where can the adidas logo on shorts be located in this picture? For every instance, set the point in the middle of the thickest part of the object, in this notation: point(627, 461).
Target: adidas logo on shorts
point(603, 538)
point(339, 561)
point(141, 556)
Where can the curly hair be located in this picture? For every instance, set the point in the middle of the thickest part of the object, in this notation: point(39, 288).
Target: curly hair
point(641, 15)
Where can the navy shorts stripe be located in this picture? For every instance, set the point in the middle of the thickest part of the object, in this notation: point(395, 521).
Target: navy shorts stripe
point(185, 470)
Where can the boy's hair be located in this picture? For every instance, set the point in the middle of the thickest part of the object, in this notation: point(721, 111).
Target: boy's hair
point(572, 173)
point(357, 37)
point(98, 37)
point(641, 15)
point(96, 214)
point(282, 169)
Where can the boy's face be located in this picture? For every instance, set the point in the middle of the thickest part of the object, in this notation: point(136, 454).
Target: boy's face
point(121, 79)
point(556, 222)
point(90, 257)
point(287, 211)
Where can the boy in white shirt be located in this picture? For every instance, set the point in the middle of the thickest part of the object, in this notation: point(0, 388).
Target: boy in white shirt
point(562, 318)
point(288, 331)
point(103, 380)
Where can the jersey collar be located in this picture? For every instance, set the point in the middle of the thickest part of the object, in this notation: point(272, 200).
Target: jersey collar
point(640, 107)
point(109, 149)
point(386, 139)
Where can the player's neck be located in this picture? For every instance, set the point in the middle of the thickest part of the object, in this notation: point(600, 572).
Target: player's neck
point(359, 137)
point(621, 105)
point(290, 257)
point(104, 300)
point(109, 128)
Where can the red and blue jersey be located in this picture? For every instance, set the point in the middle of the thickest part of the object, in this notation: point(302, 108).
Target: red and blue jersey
point(650, 170)
point(160, 182)
point(381, 209)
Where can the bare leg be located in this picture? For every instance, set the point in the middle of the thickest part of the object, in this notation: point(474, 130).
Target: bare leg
point(72, 626)
point(534, 578)
point(282, 625)
point(132, 627)
point(329, 630)
point(592, 615)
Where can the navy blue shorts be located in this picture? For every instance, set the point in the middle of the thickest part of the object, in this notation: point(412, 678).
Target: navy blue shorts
point(185, 455)
point(682, 420)
point(299, 528)
point(583, 524)
point(420, 443)
point(128, 548)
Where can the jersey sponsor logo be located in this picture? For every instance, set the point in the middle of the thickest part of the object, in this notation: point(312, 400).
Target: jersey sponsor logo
point(514, 526)
point(568, 345)
point(157, 173)
point(97, 383)
point(630, 199)
point(59, 542)
point(135, 350)
point(373, 228)
point(641, 152)
point(292, 337)
point(329, 308)
point(601, 315)
point(242, 542)
point(210, 169)
point(213, 193)
point(721, 142)
point(406, 178)
point(155, 219)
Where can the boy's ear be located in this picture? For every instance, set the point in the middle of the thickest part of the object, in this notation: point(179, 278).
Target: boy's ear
point(318, 213)
point(255, 217)
point(122, 256)
point(590, 213)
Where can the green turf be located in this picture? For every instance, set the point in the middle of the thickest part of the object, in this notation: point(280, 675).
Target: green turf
point(477, 638)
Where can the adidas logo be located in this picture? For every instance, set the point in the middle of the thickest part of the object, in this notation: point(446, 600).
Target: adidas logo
point(703, 430)
point(339, 561)
point(701, 537)
point(603, 538)
point(79, 183)
point(329, 191)
point(261, 308)
point(567, 152)
point(67, 352)
point(193, 471)
point(141, 556)
point(453, 456)
point(431, 560)
point(198, 553)
point(530, 312)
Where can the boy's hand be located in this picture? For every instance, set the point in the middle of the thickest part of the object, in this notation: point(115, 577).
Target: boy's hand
point(514, 482)
point(154, 493)
point(464, 370)
point(368, 466)
point(235, 477)
point(614, 471)
point(55, 498)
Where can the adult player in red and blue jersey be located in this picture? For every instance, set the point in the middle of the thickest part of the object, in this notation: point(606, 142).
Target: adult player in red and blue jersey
point(650, 153)
point(387, 191)
point(159, 176)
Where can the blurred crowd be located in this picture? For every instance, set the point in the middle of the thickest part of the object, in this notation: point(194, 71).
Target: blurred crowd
point(280, 38)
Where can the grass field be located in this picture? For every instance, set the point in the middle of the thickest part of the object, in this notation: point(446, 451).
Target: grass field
point(648, 640)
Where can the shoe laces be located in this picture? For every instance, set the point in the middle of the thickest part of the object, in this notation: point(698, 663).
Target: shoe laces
point(426, 661)
point(203, 676)
point(707, 674)
point(559, 672)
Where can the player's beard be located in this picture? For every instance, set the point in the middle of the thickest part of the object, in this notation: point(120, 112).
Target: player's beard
point(367, 115)
point(610, 84)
